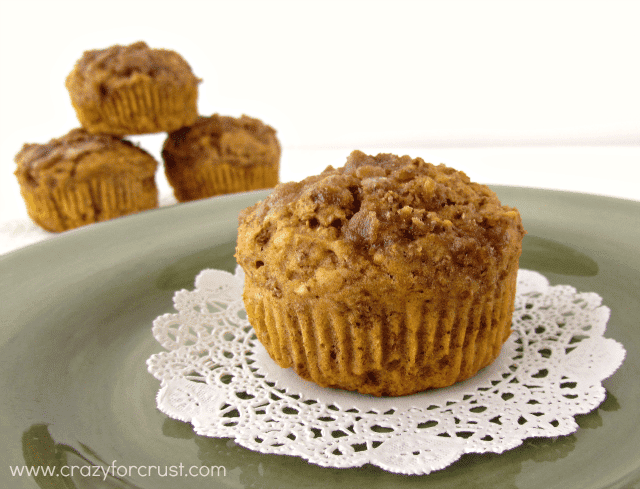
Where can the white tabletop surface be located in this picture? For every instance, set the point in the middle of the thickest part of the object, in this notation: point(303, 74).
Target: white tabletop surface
point(602, 170)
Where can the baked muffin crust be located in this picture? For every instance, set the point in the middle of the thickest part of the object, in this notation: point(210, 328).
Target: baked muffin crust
point(373, 221)
point(243, 141)
point(100, 72)
point(77, 155)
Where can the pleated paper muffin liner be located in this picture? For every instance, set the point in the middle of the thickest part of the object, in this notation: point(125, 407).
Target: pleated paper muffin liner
point(409, 345)
point(140, 108)
point(207, 179)
point(84, 202)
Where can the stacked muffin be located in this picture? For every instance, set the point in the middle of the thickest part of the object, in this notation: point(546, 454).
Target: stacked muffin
point(92, 174)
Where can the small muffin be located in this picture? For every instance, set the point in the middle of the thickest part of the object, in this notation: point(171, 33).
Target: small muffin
point(83, 178)
point(133, 89)
point(387, 276)
point(221, 155)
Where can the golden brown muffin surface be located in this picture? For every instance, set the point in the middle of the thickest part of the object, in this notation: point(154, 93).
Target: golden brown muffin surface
point(242, 141)
point(386, 220)
point(101, 71)
point(74, 155)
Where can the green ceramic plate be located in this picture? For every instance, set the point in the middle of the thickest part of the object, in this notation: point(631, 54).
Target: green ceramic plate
point(76, 315)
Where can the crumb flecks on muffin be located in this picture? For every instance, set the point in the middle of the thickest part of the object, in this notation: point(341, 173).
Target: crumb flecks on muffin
point(64, 158)
point(133, 89)
point(387, 276)
point(100, 71)
point(221, 154)
point(385, 213)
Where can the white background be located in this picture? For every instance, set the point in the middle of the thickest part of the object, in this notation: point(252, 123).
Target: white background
point(445, 78)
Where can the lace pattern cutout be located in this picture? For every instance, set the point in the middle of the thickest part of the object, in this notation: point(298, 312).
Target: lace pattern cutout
point(216, 375)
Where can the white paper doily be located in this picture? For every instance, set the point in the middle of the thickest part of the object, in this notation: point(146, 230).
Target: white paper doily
point(216, 375)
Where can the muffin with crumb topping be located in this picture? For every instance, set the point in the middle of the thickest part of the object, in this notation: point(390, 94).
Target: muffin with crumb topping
point(133, 89)
point(82, 178)
point(388, 276)
point(221, 155)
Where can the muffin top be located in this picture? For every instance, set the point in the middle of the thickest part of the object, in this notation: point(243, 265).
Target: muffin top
point(99, 72)
point(79, 154)
point(241, 141)
point(378, 223)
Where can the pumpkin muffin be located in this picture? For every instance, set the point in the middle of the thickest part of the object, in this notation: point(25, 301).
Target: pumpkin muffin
point(83, 178)
point(221, 155)
point(387, 276)
point(133, 89)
